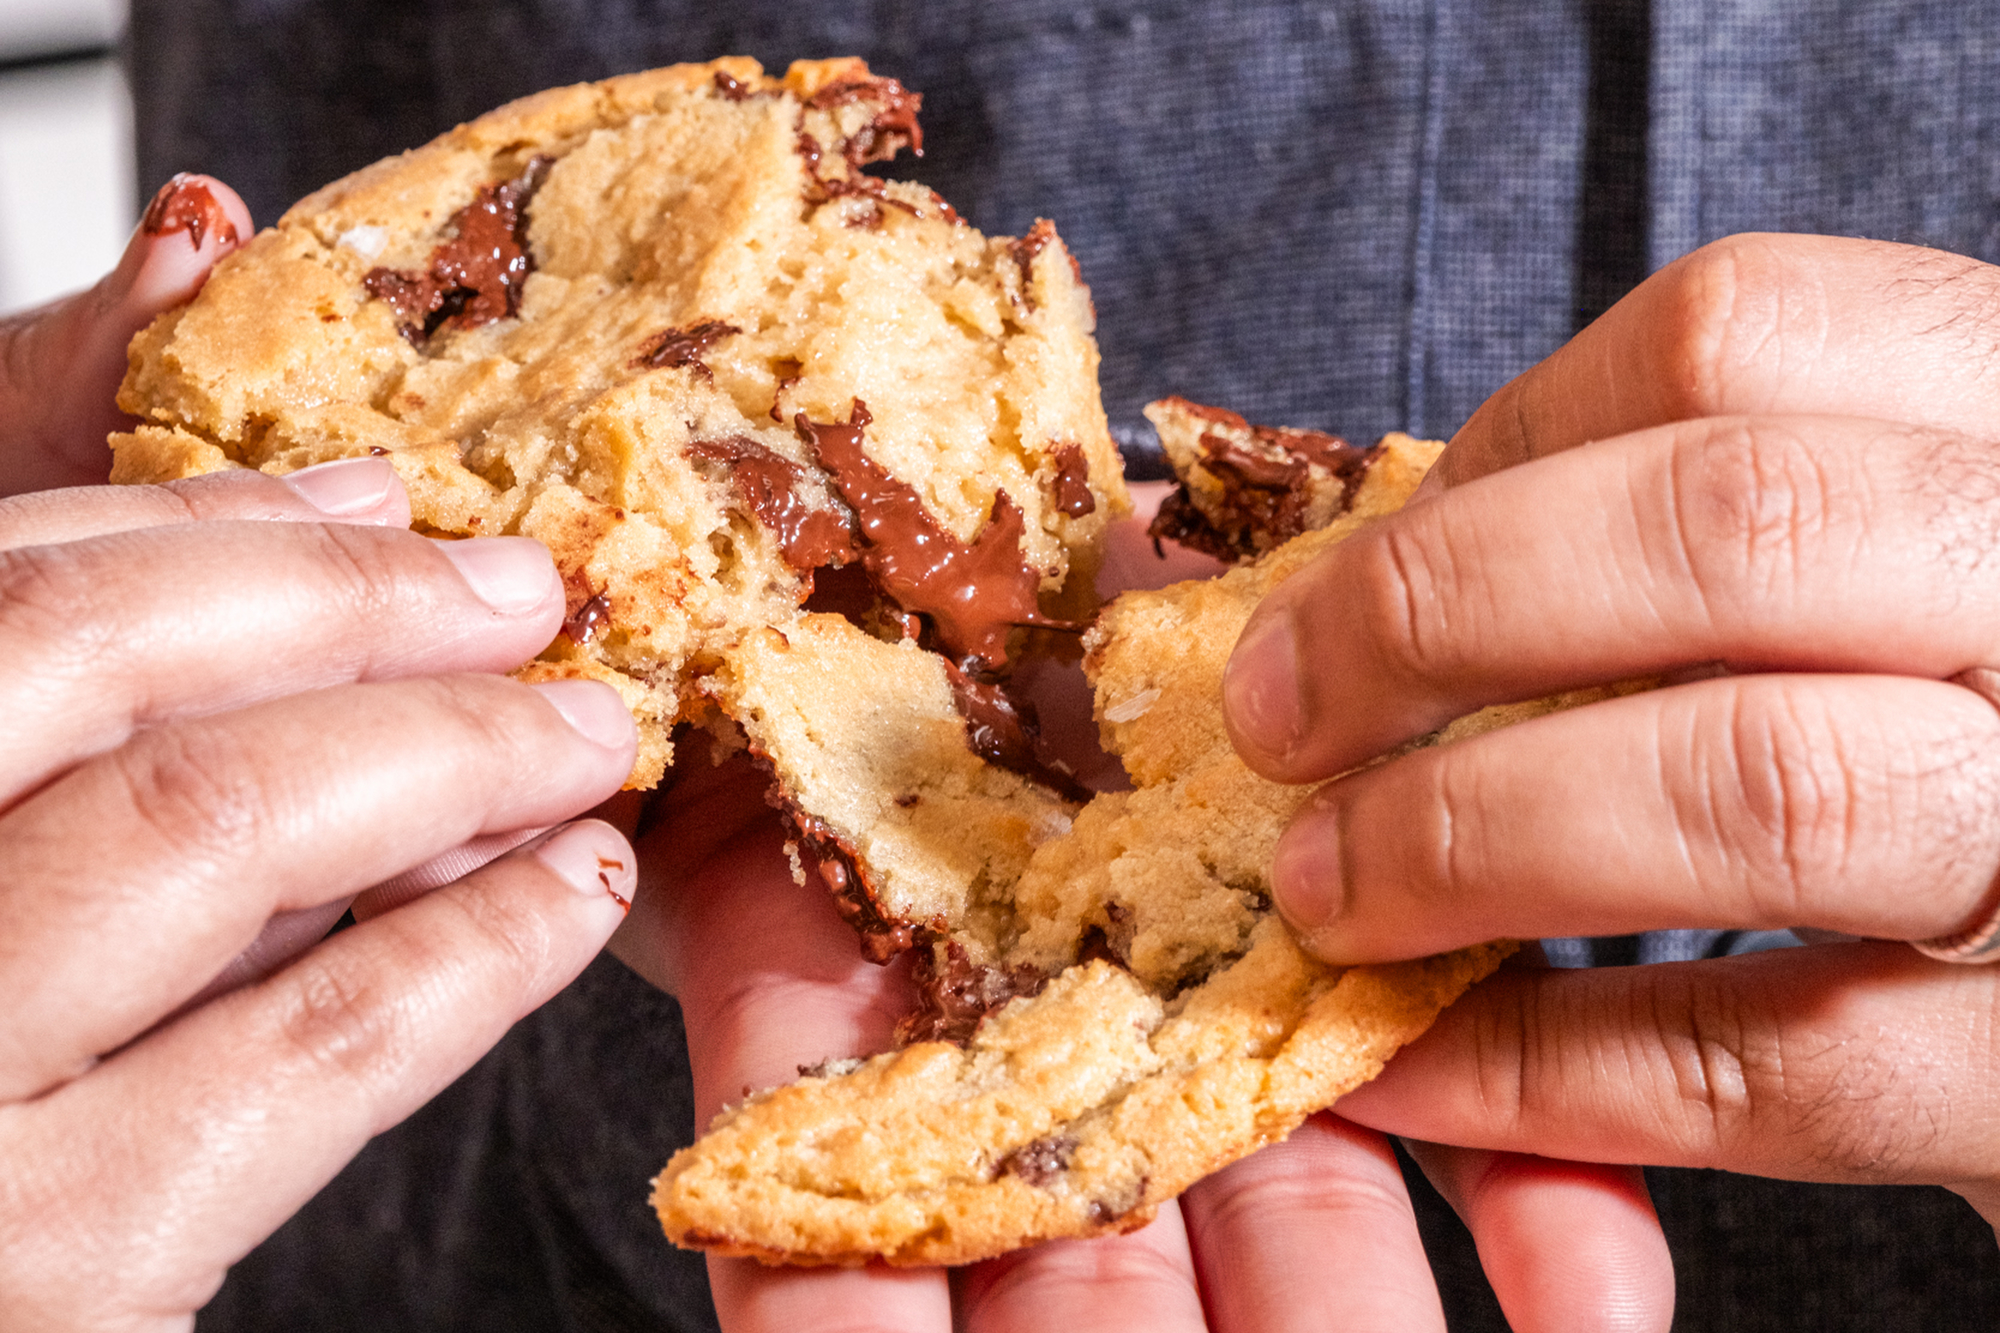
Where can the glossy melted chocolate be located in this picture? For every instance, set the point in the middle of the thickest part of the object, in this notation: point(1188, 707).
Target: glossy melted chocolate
point(1002, 732)
point(956, 994)
point(894, 125)
point(1262, 494)
point(768, 483)
point(882, 937)
point(1072, 482)
point(475, 277)
point(594, 615)
point(973, 594)
point(186, 204)
point(685, 347)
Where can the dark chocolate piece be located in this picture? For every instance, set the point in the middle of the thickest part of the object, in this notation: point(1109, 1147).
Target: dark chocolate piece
point(475, 277)
point(1027, 247)
point(685, 347)
point(1179, 521)
point(788, 373)
point(731, 87)
point(956, 994)
point(768, 483)
point(1040, 1162)
point(1072, 483)
point(819, 189)
point(895, 123)
point(186, 204)
point(592, 616)
point(1003, 732)
point(1266, 488)
point(882, 937)
point(973, 593)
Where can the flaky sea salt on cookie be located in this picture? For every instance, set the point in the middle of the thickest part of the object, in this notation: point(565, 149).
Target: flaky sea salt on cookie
point(667, 325)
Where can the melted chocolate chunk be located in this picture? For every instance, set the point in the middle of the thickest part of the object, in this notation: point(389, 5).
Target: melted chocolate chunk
point(956, 994)
point(882, 936)
point(973, 593)
point(768, 483)
point(685, 347)
point(855, 185)
point(894, 125)
point(1178, 520)
point(592, 616)
point(1072, 483)
point(475, 277)
point(788, 373)
point(1003, 732)
point(733, 88)
point(1040, 1162)
point(945, 210)
point(186, 204)
point(1266, 490)
point(1024, 251)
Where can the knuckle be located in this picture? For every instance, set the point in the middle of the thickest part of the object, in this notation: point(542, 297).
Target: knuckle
point(367, 570)
point(1725, 1064)
point(1722, 323)
point(1778, 805)
point(498, 720)
point(340, 1021)
point(52, 607)
point(1404, 583)
point(1751, 507)
point(198, 789)
point(1458, 803)
point(507, 939)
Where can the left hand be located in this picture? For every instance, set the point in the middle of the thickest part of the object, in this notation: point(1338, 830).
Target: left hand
point(1312, 1233)
point(1771, 475)
point(60, 364)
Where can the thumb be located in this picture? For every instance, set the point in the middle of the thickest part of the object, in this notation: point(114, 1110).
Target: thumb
point(61, 363)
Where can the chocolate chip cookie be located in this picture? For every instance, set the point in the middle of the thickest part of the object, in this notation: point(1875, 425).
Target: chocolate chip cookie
point(670, 326)
point(1124, 1018)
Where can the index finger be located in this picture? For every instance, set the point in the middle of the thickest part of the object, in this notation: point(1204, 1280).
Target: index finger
point(346, 490)
point(1758, 324)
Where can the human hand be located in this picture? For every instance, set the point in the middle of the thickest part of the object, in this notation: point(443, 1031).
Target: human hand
point(1769, 475)
point(231, 699)
point(1312, 1233)
point(60, 363)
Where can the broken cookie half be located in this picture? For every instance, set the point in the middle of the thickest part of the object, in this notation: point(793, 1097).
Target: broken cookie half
point(812, 454)
point(1124, 1018)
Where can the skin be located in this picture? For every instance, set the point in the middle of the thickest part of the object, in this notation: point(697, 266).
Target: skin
point(234, 802)
point(1766, 477)
point(161, 801)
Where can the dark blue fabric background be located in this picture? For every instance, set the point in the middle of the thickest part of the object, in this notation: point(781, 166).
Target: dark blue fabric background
point(1357, 215)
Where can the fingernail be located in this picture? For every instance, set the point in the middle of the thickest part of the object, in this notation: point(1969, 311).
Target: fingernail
point(185, 231)
point(1260, 686)
point(186, 205)
point(1308, 883)
point(509, 574)
point(344, 486)
point(593, 858)
point(595, 710)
